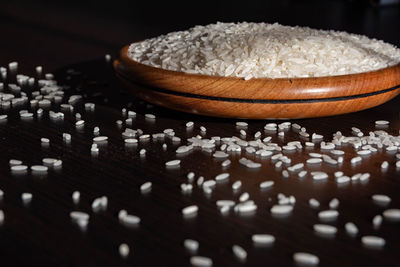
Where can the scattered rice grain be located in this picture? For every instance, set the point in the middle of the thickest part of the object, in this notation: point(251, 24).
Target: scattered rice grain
point(200, 261)
point(305, 259)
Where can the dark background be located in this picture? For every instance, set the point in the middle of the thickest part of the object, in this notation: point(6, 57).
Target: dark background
point(56, 33)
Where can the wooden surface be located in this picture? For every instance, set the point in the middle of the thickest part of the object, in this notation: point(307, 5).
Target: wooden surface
point(58, 33)
point(43, 234)
point(260, 98)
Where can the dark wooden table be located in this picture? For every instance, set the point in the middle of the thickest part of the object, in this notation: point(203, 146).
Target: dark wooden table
point(42, 233)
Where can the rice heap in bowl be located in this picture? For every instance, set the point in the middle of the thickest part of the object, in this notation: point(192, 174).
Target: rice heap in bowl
point(260, 50)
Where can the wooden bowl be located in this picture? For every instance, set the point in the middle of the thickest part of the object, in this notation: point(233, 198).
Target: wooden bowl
point(262, 98)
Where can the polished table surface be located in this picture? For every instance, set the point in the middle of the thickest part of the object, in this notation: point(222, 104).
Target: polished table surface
point(70, 39)
point(42, 233)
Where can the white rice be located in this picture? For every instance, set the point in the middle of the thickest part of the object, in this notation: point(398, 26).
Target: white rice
point(144, 137)
point(381, 199)
point(190, 176)
point(392, 215)
point(123, 250)
point(334, 203)
point(131, 141)
point(266, 184)
point(391, 149)
point(364, 152)
point(327, 215)
point(381, 122)
point(239, 252)
point(189, 124)
point(337, 152)
point(244, 197)
point(319, 176)
point(173, 163)
point(100, 138)
point(222, 176)
point(48, 161)
point(342, 179)
point(200, 181)
point(288, 148)
point(296, 167)
point(313, 203)
point(99, 203)
point(305, 259)
point(377, 221)
point(26, 197)
point(80, 123)
point(226, 163)
point(338, 174)
point(150, 116)
point(220, 154)
point(66, 136)
point(237, 185)
point(246, 208)
point(1, 217)
point(258, 50)
point(223, 203)
point(281, 209)
point(14, 162)
point(209, 184)
point(128, 219)
point(355, 160)
point(17, 168)
point(145, 187)
point(186, 188)
point(241, 124)
point(365, 177)
point(325, 229)
point(373, 241)
point(191, 245)
point(79, 215)
point(44, 140)
point(384, 165)
point(190, 210)
point(201, 261)
point(13, 66)
point(207, 190)
point(314, 161)
point(263, 239)
point(39, 168)
point(76, 196)
point(327, 146)
point(302, 174)
point(278, 164)
point(351, 229)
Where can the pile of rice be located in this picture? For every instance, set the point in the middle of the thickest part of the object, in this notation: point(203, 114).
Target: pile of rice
point(256, 50)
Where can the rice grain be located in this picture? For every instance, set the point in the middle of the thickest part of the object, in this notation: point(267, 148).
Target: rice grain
point(201, 261)
point(305, 259)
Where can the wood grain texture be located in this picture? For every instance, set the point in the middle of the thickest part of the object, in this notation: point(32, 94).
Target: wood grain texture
point(139, 76)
